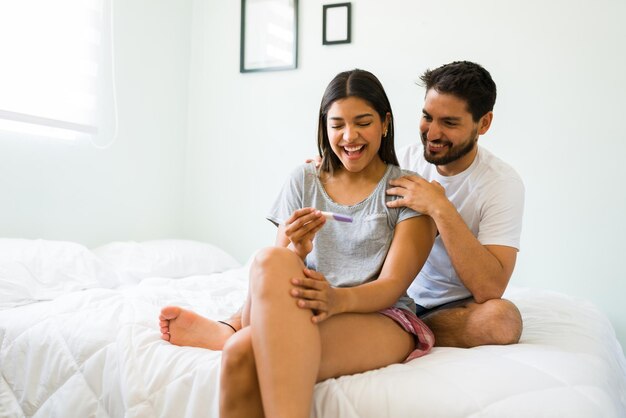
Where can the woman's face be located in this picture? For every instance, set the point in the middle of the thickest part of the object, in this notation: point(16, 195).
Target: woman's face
point(355, 131)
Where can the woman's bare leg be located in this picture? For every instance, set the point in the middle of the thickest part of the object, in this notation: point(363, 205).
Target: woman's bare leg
point(355, 343)
point(351, 343)
point(286, 353)
point(186, 328)
point(240, 396)
point(285, 341)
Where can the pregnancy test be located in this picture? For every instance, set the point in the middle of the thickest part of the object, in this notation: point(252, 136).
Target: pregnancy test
point(336, 217)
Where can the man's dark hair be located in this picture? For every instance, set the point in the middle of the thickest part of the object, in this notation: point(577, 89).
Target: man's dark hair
point(466, 80)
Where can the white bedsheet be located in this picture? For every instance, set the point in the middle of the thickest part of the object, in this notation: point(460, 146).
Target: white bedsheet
point(97, 353)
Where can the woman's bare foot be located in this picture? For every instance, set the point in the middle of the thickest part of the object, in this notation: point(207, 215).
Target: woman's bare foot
point(186, 328)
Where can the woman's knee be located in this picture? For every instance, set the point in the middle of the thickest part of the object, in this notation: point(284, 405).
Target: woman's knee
point(237, 354)
point(270, 256)
point(269, 265)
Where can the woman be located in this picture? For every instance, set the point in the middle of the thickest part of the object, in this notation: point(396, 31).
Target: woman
point(348, 280)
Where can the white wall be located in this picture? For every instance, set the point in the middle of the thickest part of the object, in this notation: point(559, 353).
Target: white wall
point(559, 67)
point(72, 191)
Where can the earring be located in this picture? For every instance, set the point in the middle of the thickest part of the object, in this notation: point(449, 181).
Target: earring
point(385, 134)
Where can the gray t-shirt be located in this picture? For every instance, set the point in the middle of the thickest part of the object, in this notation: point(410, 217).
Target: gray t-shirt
point(348, 254)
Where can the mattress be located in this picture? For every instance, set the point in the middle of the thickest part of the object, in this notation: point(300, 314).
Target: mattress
point(80, 338)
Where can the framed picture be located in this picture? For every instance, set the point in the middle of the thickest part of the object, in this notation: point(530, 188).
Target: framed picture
point(269, 35)
point(337, 23)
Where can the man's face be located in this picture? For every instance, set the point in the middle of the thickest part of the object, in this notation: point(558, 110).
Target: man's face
point(448, 132)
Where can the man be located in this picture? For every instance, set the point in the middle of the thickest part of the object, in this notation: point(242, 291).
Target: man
point(476, 201)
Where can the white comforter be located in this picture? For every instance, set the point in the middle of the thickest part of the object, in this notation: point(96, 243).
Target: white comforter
point(97, 353)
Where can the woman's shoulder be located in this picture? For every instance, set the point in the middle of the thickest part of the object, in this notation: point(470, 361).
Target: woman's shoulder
point(302, 178)
point(303, 170)
point(395, 172)
point(402, 212)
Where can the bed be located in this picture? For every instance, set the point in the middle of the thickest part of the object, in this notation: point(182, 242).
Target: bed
point(79, 338)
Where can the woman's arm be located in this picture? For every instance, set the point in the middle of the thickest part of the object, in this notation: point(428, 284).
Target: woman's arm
point(299, 230)
point(410, 247)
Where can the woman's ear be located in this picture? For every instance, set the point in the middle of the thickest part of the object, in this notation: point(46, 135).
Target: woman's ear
point(386, 124)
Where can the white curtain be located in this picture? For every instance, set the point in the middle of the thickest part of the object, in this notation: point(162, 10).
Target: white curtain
point(56, 74)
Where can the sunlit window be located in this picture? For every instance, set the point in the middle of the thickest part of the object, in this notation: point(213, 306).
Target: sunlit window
point(55, 67)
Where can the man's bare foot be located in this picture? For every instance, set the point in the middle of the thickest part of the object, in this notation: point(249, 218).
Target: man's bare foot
point(186, 328)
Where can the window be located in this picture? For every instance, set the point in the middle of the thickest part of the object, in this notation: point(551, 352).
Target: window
point(56, 73)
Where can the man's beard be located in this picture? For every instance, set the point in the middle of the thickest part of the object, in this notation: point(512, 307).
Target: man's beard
point(453, 153)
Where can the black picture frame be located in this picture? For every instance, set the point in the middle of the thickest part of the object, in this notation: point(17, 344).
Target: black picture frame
point(337, 24)
point(269, 35)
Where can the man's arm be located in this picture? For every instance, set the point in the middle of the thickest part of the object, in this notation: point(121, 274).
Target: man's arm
point(484, 269)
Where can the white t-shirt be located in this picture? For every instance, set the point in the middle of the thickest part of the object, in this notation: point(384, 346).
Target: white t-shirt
point(489, 196)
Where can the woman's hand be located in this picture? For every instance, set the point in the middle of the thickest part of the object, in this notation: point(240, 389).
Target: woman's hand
point(300, 229)
point(315, 293)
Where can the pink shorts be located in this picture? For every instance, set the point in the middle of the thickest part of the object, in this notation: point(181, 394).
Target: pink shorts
point(424, 337)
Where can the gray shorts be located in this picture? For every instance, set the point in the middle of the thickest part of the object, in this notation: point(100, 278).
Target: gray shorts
point(421, 312)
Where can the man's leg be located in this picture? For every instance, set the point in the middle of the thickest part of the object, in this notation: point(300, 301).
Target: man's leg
point(470, 324)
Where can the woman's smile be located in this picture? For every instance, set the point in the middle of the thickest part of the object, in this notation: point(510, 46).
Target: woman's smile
point(354, 152)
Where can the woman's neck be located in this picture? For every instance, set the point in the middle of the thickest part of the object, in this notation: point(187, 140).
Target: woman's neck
point(349, 188)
